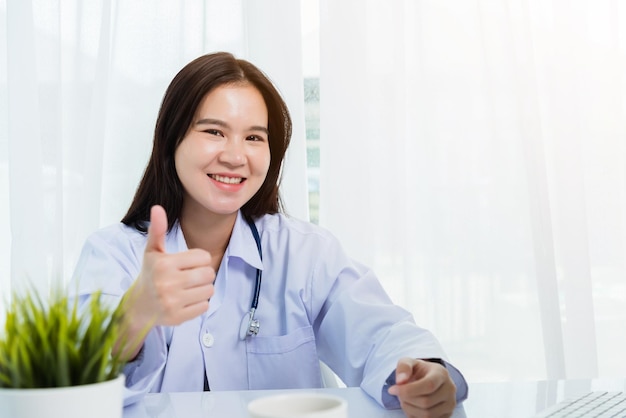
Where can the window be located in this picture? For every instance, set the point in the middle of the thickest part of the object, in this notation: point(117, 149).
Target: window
point(310, 65)
point(312, 123)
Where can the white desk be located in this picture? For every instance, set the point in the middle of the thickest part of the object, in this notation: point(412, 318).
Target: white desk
point(233, 404)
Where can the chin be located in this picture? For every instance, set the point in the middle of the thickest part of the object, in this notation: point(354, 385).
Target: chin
point(225, 211)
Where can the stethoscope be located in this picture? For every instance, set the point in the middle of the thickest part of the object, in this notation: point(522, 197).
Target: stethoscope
point(249, 324)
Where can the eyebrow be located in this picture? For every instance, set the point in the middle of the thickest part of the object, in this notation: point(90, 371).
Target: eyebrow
point(210, 121)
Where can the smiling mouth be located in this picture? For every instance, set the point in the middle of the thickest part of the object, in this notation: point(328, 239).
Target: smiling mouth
point(227, 180)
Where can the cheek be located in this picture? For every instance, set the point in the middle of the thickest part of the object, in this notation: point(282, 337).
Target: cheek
point(186, 155)
point(263, 161)
point(177, 162)
point(268, 160)
point(184, 161)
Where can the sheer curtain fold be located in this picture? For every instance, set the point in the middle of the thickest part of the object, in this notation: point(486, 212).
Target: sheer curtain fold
point(484, 143)
point(83, 84)
point(533, 135)
point(24, 112)
point(275, 45)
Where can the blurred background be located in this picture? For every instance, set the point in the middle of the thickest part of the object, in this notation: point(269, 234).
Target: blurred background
point(473, 154)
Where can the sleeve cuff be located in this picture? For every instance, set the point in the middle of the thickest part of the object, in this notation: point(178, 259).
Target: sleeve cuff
point(132, 365)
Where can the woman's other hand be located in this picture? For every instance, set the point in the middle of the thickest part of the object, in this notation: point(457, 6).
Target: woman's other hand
point(425, 389)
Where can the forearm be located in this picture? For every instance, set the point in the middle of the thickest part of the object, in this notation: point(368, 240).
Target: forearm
point(135, 326)
point(144, 373)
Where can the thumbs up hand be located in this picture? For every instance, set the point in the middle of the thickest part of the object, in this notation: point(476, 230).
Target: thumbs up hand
point(171, 288)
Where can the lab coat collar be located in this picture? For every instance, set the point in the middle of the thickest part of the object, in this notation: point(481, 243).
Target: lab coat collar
point(242, 243)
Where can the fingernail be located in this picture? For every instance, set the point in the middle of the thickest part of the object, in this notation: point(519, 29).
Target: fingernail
point(393, 390)
point(401, 377)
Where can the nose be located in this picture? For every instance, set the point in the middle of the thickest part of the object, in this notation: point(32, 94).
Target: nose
point(233, 153)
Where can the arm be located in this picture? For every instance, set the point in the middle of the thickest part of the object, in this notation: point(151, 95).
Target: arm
point(358, 315)
point(169, 289)
point(108, 263)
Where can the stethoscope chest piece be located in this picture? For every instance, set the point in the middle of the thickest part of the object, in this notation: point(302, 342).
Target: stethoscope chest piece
point(249, 325)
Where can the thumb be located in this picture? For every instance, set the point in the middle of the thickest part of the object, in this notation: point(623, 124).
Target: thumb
point(157, 229)
point(404, 370)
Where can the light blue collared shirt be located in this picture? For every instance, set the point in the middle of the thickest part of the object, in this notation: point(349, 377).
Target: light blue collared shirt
point(315, 304)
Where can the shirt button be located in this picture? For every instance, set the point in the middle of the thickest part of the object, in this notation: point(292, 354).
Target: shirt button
point(208, 340)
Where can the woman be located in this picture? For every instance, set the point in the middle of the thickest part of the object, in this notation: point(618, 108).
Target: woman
point(205, 231)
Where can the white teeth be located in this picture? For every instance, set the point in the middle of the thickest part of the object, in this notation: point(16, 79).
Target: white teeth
point(228, 180)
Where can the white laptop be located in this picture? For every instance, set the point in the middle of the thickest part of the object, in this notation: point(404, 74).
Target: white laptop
point(594, 404)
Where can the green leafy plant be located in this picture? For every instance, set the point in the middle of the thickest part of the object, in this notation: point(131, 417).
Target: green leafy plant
point(53, 345)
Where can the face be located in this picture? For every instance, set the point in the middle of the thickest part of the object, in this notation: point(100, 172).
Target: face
point(223, 159)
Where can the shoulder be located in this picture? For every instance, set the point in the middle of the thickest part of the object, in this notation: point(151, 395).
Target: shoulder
point(128, 241)
point(117, 230)
point(116, 244)
point(279, 224)
point(117, 235)
point(109, 260)
point(299, 239)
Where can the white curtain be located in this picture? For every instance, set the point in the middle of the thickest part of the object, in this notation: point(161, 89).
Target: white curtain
point(474, 155)
point(80, 87)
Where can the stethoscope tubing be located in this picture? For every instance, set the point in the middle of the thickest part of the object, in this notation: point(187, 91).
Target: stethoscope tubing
point(257, 287)
point(249, 324)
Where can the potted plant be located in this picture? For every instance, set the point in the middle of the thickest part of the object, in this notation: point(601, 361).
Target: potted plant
point(58, 362)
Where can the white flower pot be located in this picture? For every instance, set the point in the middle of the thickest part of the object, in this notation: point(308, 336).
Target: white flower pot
point(97, 400)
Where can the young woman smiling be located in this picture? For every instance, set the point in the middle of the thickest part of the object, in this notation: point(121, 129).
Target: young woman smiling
point(235, 293)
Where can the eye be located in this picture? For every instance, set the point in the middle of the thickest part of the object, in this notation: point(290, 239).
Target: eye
point(255, 138)
point(213, 132)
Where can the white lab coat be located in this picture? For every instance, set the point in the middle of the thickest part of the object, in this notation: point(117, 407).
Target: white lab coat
point(315, 304)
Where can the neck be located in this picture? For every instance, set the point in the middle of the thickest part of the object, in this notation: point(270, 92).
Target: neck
point(210, 233)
